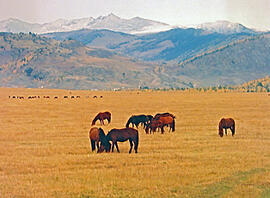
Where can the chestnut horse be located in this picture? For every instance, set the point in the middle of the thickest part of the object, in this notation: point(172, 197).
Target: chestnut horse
point(95, 135)
point(101, 116)
point(120, 135)
point(160, 122)
point(226, 123)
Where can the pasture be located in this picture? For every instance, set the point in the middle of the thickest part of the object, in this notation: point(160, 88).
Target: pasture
point(45, 149)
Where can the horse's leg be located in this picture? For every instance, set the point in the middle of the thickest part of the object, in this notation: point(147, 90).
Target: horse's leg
point(98, 146)
point(162, 129)
point(136, 146)
point(113, 146)
point(117, 147)
point(226, 131)
point(131, 145)
point(232, 130)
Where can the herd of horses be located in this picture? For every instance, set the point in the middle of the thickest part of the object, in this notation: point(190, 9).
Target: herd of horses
point(48, 97)
point(150, 124)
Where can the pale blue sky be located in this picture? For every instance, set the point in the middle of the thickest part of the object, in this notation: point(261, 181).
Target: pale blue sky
point(251, 13)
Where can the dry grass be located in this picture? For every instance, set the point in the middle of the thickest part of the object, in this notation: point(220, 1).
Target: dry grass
point(44, 146)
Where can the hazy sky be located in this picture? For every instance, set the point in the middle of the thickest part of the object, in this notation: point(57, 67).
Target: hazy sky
point(251, 13)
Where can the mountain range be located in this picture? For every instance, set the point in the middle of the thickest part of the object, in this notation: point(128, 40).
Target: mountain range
point(102, 53)
point(110, 22)
point(136, 25)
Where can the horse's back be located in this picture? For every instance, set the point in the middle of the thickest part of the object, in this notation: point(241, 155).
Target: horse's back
point(166, 119)
point(227, 122)
point(94, 133)
point(107, 113)
point(122, 134)
point(158, 115)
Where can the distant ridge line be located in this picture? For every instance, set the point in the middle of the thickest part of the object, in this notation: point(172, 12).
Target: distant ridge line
point(208, 52)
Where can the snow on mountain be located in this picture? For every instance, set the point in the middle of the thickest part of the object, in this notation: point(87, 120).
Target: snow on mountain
point(224, 27)
point(110, 22)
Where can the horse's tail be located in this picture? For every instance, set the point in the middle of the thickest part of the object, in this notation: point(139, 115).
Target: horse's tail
point(173, 126)
point(136, 143)
point(233, 128)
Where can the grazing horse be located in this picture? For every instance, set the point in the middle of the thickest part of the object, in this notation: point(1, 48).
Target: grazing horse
point(101, 117)
point(226, 123)
point(161, 120)
point(136, 120)
point(95, 135)
point(120, 135)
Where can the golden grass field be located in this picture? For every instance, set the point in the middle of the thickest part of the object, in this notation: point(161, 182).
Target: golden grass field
point(45, 150)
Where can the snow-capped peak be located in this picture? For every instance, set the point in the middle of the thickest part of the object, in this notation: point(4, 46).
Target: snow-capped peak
point(224, 27)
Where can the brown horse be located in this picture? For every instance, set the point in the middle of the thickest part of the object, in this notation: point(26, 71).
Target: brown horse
point(95, 136)
point(226, 123)
point(160, 122)
point(164, 119)
point(121, 135)
point(153, 125)
point(101, 116)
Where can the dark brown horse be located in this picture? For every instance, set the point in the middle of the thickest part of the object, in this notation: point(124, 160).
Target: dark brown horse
point(137, 120)
point(120, 135)
point(226, 123)
point(95, 136)
point(101, 117)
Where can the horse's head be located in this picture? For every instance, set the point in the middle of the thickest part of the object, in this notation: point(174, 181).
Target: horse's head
point(105, 144)
point(106, 147)
point(220, 132)
point(147, 128)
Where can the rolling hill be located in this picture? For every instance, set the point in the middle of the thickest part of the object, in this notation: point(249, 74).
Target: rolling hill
point(29, 60)
point(231, 64)
point(173, 45)
point(195, 59)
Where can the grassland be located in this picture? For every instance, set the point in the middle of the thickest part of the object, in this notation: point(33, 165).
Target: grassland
point(45, 151)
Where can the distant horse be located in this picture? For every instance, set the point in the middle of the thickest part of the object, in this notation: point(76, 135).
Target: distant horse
point(160, 121)
point(120, 135)
point(226, 123)
point(136, 120)
point(95, 135)
point(101, 117)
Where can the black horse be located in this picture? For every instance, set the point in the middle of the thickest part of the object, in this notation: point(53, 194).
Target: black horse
point(138, 119)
